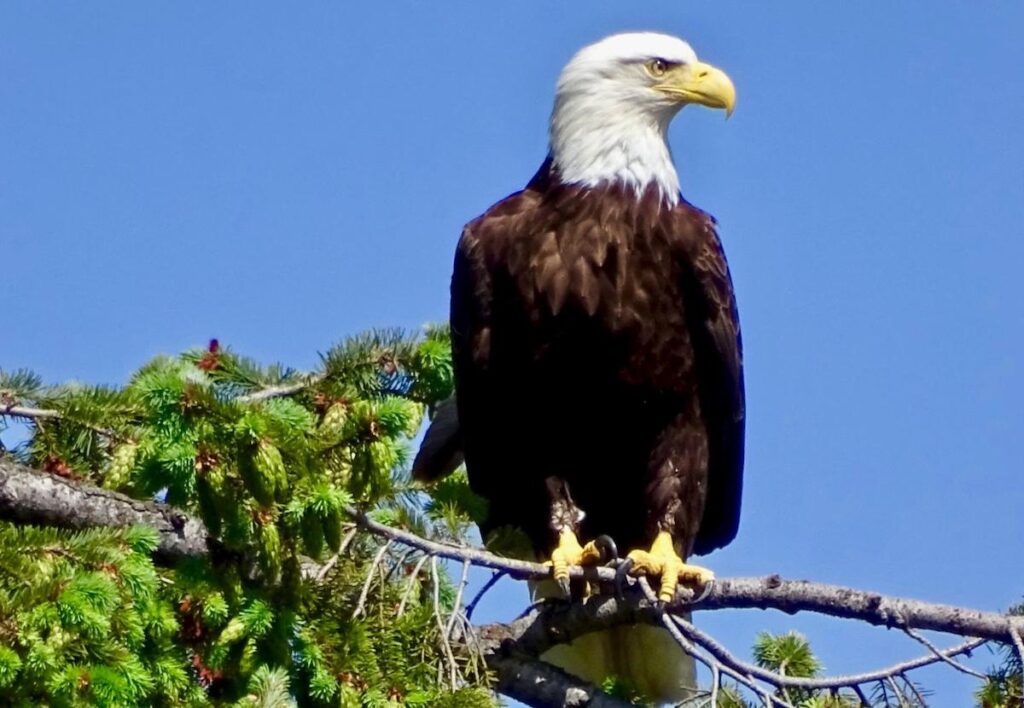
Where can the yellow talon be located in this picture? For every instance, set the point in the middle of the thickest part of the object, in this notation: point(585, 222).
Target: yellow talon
point(568, 553)
point(663, 561)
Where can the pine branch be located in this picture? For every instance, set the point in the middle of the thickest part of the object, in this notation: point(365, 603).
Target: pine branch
point(263, 394)
point(28, 412)
point(27, 495)
point(771, 592)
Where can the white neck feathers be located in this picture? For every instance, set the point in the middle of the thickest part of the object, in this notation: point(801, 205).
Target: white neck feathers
point(595, 141)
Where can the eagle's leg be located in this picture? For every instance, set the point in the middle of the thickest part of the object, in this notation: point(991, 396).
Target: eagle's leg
point(565, 520)
point(663, 562)
point(676, 495)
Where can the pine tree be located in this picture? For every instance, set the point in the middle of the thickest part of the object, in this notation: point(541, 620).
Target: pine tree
point(87, 618)
point(292, 607)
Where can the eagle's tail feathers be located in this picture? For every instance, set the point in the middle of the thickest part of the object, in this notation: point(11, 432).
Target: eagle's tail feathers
point(645, 658)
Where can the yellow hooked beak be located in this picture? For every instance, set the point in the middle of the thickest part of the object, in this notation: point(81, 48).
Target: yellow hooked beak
point(700, 83)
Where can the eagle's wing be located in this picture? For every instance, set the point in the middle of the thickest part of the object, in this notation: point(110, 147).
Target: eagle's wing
point(490, 238)
point(718, 349)
point(442, 449)
point(440, 453)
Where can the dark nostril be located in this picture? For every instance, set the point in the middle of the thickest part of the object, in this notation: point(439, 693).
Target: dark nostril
point(703, 73)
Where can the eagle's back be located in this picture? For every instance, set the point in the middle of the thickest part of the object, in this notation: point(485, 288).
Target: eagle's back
point(595, 339)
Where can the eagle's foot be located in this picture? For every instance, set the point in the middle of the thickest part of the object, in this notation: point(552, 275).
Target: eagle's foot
point(663, 562)
point(569, 552)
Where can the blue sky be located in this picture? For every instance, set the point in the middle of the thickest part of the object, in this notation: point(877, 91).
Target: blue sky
point(281, 176)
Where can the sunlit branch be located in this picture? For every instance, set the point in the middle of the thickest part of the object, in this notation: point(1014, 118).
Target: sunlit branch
point(512, 650)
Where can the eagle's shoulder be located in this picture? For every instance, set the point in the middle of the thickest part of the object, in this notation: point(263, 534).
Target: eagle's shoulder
point(489, 246)
point(697, 237)
point(500, 236)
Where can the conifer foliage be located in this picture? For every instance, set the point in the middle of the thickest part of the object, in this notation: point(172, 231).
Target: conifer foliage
point(291, 607)
point(83, 620)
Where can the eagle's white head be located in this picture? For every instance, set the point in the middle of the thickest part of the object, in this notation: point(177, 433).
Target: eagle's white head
point(614, 102)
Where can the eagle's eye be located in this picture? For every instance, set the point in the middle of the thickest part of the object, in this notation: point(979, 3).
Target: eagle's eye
point(656, 67)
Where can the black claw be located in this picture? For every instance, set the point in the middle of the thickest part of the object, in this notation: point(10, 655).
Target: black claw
point(621, 571)
point(609, 551)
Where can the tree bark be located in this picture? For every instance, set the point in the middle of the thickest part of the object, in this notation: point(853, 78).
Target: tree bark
point(538, 684)
point(792, 596)
point(30, 496)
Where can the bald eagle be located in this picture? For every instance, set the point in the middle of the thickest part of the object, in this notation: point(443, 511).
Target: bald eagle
point(595, 336)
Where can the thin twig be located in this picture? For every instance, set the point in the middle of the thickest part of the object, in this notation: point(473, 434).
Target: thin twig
point(326, 567)
point(465, 632)
point(281, 390)
point(1018, 642)
point(41, 414)
point(784, 689)
point(400, 563)
point(449, 655)
point(723, 655)
point(714, 665)
point(458, 598)
point(716, 679)
point(29, 412)
point(913, 689)
point(935, 650)
point(516, 568)
point(896, 689)
point(670, 623)
point(348, 539)
point(495, 577)
point(263, 394)
point(369, 579)
point(413, 577)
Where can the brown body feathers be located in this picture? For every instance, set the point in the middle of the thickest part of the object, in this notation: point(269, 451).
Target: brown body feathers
point(596, 340)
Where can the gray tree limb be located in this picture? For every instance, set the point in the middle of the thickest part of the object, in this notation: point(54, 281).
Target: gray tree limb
point(30, 496)
point(538, 684)
point(545, 625)
point(792, 596)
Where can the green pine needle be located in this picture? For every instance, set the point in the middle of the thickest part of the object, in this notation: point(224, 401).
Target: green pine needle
point(96, 622)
